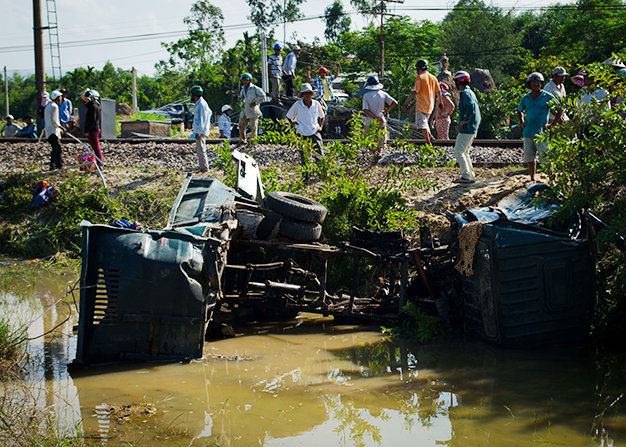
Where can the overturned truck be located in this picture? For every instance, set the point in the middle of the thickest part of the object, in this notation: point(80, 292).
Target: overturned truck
point(235, 255)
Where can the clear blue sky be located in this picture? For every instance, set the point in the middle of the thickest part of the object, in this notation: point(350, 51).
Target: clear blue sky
point(94, 19)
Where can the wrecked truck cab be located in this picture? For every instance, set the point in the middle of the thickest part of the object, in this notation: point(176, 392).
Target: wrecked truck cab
point(144, 295)
point(523, 282)
point(149, 295)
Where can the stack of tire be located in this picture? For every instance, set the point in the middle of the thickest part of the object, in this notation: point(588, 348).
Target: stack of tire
point(301, 216)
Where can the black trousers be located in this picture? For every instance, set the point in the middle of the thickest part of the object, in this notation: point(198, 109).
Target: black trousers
point(316, 138)
point(288, 80)
point(56, 162)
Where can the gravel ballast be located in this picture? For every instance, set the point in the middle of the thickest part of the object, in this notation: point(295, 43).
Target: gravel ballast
point(19, 156)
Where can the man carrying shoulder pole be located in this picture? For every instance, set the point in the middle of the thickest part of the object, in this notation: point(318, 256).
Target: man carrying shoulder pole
point(53, 129)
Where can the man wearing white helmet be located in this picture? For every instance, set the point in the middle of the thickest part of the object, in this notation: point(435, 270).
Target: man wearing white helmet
point(10, 128)
point(289, 70)
point(223, 122)
point(53, 129)
point(534, 112)
point(469, 121)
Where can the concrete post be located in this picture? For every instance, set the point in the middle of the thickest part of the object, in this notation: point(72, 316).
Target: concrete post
point(134, 91)
point(6, 92)
point(264, 74)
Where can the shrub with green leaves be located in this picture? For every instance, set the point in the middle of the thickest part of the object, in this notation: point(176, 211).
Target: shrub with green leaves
point(587, 167)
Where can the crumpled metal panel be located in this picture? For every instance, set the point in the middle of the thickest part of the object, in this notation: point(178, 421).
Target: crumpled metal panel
point(200, 199)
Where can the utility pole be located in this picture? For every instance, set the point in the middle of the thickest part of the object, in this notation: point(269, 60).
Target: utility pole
point(284, 23)
point(383, 8)
point(6, 92)
point(264, 74)
point(38, 40)
point(134, 91)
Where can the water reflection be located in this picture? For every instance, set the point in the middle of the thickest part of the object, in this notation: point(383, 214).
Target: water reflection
point(319, 384)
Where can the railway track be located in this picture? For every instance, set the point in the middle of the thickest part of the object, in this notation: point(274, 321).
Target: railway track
point(478, 142)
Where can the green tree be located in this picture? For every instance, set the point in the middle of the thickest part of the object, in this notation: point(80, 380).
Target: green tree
point(337, 22)
point(204, 40)
point(405, 42)
point(592, 32)
point(265, 14)
point(476, 35)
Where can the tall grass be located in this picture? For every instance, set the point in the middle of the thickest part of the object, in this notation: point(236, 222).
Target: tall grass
point(12, 341)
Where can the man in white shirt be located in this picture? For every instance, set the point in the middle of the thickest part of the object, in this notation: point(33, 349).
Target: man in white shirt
point(201, 125)
point(10, 128)
point(223, 122)
point(289, 70)
point(556, 88)
point(308, 116)
point(53, 129)
point(252, 97)
point(376, 106)
point(274, 69)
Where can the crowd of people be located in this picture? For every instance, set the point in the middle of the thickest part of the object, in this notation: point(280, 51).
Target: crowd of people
point(432, 101)
point(56, 116)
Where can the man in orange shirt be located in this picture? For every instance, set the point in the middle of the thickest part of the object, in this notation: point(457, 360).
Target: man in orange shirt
point(426, 87)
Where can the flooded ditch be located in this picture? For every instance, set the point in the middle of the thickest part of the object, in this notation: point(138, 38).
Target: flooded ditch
point(310, 383)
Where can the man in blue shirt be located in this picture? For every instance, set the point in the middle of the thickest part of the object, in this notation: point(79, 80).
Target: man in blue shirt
point(201, 125)
point(29, 130)
point(65, 109)
point(534, 113)
point(469, 120)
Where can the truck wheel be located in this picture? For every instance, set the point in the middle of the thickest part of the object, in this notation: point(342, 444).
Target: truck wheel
point(296, 206)
point(300, 231)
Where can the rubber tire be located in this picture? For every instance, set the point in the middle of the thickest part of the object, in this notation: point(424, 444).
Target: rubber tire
point(295, 206)
point(300, 231)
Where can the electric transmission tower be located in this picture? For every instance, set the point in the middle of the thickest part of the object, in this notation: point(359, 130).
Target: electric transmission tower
point(53, 37)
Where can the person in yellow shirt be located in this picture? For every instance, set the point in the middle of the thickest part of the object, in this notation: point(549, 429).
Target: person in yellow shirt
point(323, 84)
point(426, 87)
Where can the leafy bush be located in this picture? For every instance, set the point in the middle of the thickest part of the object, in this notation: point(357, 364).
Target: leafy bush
point(56, 227)
point(587, 165)
point(415, 325)
point(497, 108)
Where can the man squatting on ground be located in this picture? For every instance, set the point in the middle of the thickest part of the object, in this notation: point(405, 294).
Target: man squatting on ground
point(53, 129)
point(274, 69)
point(223, 122)
point(376, 106)
point(469, 121)
point(201, 125)
point(534, 112)
point(426, 87)
point(252, 97)
point(308, 116)
point(10, 129)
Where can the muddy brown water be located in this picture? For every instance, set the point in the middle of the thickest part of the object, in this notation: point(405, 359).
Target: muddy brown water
point(314, 383)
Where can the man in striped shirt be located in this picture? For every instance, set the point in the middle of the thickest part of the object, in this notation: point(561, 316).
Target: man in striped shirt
point(274, 68)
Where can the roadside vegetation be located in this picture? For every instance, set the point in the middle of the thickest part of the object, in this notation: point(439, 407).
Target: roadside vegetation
point(587, 168)
point(53, 228)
